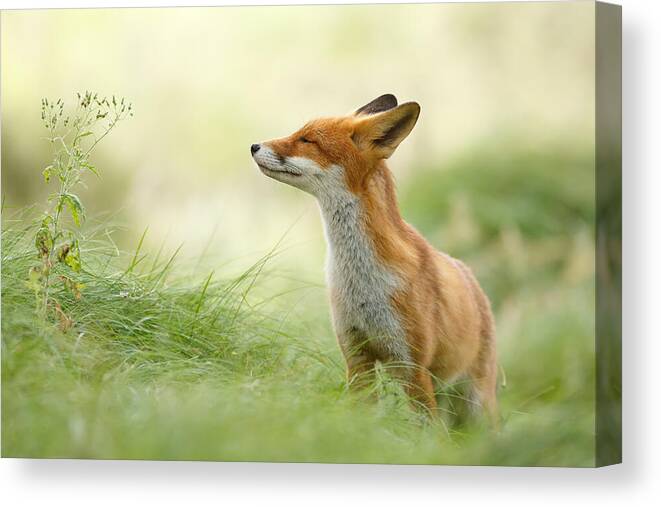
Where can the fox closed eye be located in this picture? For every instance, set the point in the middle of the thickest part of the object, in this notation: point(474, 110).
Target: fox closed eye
point(306, 140)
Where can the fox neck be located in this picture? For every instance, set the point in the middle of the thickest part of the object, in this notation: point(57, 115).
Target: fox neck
point(364, 231)
point(361, 282)
point(372, 213)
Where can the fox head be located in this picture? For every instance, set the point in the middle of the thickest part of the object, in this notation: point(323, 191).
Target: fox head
point(340, 151)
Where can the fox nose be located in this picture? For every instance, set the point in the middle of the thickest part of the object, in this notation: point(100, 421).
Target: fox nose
point(254, 148)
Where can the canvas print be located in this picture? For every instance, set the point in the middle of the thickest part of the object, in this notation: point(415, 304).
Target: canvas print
point(341, 234)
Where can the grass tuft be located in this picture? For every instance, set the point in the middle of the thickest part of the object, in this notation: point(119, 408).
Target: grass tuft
point(158, 365)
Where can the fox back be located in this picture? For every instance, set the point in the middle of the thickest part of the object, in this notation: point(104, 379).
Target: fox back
point(394, 298)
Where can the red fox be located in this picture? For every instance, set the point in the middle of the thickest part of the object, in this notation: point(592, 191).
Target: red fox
point(394, 298)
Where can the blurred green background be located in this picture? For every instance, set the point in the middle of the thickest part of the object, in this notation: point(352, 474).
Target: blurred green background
point(206, 83)
point(498, 171)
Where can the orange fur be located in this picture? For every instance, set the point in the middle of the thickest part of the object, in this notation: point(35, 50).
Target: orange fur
point(446, 316)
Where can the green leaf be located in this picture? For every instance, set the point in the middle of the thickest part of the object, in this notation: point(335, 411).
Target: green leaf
point(34, 278)
point(73, 286)
point(75, 207)
point(43, 240)
point(72, 256)
point(91, 168)
point(47, 173)
point(62, 252)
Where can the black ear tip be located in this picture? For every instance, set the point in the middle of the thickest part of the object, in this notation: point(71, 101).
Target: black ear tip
point(378, 105)
point(387, 101)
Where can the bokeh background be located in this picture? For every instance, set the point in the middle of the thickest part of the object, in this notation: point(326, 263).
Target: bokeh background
point(498, 171)
point(206, 83)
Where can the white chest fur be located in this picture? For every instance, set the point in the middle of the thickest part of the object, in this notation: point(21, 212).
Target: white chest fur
point(362, 286)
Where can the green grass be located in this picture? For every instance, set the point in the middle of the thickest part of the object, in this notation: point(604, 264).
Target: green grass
point(164, 365)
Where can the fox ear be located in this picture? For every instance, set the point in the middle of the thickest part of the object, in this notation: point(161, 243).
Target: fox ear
point(381, 133)
point(379, 104)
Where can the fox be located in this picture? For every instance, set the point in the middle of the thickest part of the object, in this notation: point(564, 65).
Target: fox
point(394, 298)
